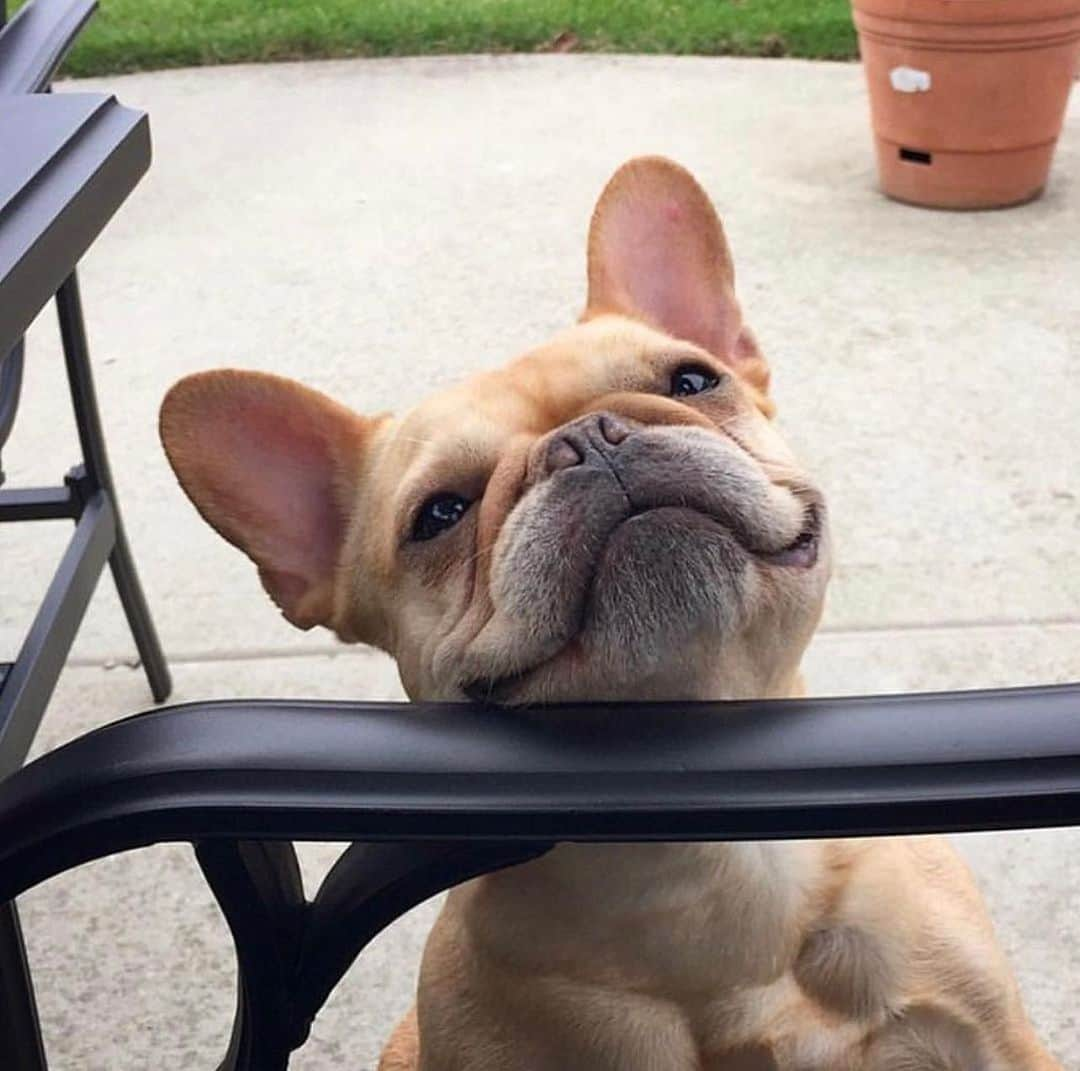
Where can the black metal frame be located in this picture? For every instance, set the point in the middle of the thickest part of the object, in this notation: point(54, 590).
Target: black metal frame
point(89, 499)
point(32, 46)
point(434, 794)
point(48, 224)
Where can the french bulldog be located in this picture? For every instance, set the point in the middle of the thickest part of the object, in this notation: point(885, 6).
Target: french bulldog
point(614, 516)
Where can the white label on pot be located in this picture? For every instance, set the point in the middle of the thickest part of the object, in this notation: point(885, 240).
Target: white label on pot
point(909, 80)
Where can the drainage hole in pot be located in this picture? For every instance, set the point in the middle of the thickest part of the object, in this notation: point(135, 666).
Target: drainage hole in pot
point(916, 156)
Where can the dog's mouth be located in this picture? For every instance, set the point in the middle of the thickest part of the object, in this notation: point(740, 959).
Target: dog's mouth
point(489, 691)
point(802, 552)
point(799, 555)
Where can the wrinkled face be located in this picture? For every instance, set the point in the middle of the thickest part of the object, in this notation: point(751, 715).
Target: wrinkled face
point(612, 516)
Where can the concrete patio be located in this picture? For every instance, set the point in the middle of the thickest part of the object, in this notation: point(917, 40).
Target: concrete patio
point(379, 228)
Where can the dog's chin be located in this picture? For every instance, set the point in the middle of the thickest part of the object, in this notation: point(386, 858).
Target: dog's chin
point(671, 587)
point(665, 577)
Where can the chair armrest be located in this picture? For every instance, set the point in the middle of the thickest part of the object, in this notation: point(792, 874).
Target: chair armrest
point(36, 40)
point(69, 160)
point(275, 770)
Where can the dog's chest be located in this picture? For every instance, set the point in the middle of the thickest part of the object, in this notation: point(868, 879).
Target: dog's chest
point(665, 957)
point(668, 917)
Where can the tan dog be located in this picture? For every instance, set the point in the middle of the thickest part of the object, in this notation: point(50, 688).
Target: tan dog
point(612, 516)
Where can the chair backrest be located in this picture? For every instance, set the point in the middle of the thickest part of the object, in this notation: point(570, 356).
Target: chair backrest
point(32, 47)
point(36, 40)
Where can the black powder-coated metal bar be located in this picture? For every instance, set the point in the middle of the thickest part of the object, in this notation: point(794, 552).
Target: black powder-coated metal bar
point(39, 504)
point(29, 683)
point(667, 771)
point(258, 887)
point(21, 1047)
point(95, 456)
point(11, 374)
point(81, 383)
point(58, 189)
point(36, 40)
point(442, 793)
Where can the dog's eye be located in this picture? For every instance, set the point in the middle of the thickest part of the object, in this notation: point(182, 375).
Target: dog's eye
point(437, 514)
point(690, 379)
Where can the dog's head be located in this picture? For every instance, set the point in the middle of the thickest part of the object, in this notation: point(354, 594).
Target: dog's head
point(611, 516)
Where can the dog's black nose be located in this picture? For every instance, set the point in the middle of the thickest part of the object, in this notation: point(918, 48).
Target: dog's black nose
point(586, 440)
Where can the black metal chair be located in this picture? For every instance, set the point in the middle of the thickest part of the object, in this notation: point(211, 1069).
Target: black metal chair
point(45, 183)
point(435, 794)
point(67, 163)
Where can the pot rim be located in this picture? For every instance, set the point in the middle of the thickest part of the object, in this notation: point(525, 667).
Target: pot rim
point(961, 12)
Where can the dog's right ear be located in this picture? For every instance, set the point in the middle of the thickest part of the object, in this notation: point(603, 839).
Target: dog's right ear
point(273, 467)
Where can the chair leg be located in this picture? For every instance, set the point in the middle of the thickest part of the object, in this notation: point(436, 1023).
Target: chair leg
point(122, 565)
point(92, 440)
point(258, 887)
point(21, 1048)
point(11, 371)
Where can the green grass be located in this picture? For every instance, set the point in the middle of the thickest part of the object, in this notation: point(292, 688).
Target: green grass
point(127, 35)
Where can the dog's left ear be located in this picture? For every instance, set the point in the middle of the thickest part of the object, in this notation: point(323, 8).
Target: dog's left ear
point(657, 252)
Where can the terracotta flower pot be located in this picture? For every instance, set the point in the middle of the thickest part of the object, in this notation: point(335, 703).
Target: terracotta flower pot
point(967, 96)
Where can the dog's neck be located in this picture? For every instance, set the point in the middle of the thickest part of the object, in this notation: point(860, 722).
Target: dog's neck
point(609, 890)
point(571, 911)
